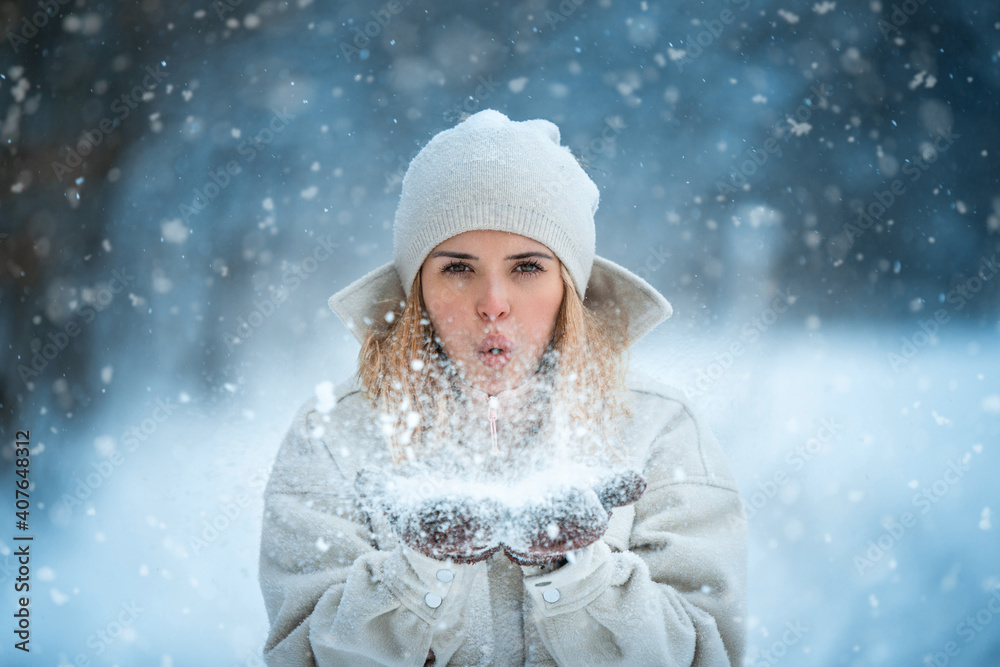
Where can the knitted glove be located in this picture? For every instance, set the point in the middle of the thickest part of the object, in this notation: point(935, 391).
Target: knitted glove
point(441, 526)
point(620, 489)
point(573, 519)
point(563, 521)
point(466, 529)
point(450, 528)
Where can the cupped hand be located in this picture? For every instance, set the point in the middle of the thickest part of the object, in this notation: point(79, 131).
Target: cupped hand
point(539, 529)
point(620, 488)
point(439, 526)
point(572, 519)
point(561, 521)
point(450, 528)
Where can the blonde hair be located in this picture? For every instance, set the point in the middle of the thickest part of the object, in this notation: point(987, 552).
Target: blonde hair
point(403, 370)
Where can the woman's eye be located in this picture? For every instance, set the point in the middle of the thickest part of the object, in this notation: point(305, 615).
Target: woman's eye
point(524, 268)
point(455, 265)
point(536, 267)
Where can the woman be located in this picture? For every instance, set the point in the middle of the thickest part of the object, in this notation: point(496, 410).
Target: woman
point(442, 507)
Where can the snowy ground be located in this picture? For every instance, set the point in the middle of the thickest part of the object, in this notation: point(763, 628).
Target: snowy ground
point(836, 453)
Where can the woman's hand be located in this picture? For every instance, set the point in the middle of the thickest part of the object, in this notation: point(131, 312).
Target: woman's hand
point(449, 528)
point(548, 528)
point(442, 527)
point(571, 520)
point(464, 529)
point(621, 488)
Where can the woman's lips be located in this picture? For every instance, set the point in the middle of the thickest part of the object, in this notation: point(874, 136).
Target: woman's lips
point(495, 360)
point(495, 351)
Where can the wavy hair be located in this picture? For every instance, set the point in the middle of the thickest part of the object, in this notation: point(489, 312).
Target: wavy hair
point(406, 374)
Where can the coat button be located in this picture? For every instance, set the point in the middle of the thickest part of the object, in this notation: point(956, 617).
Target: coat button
point(445, 575)
point(433, 600)
point(551, 595)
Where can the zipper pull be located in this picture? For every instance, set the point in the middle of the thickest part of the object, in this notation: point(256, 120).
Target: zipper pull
point(494, 402)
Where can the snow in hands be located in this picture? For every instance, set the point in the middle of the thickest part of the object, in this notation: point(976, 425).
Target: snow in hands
point(536, 518)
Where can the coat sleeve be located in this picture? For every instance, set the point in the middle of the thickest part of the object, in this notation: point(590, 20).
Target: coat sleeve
point(677, 596)
point(333, 597)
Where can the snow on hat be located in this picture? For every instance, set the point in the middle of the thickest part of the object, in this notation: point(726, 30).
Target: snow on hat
point(491, 173)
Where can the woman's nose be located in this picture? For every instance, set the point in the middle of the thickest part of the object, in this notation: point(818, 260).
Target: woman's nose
point(494, 302)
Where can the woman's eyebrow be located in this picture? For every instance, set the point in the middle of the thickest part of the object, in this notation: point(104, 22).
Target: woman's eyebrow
point(463, 255)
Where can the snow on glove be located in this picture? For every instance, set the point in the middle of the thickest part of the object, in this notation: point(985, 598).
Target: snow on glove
point(572, 520)
point(440, 526)
point(468, 522)
point(564, 521)
point(622, 488)
point(454, 528)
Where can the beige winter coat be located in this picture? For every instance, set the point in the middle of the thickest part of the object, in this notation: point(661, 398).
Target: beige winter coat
point(666, 585)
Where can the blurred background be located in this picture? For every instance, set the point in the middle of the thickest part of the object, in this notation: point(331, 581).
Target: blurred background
point(813, 185)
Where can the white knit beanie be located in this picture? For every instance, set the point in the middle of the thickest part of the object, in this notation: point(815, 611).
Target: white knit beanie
point(492, 173)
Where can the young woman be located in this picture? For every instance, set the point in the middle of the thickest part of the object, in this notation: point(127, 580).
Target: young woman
point(495, 486)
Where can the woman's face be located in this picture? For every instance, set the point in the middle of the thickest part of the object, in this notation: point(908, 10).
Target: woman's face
point(493, 298)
